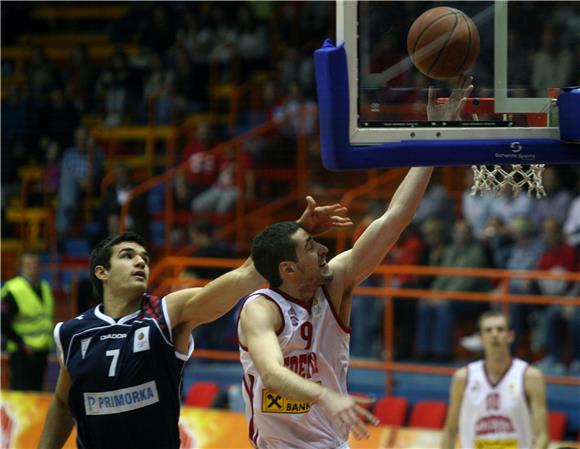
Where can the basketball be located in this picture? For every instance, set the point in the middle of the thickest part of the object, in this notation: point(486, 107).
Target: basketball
point(443, 43)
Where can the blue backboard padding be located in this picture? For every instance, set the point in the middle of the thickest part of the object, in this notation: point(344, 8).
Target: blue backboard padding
point(338, 153)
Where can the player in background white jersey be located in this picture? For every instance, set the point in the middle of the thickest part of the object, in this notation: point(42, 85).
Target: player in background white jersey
point(498, 402)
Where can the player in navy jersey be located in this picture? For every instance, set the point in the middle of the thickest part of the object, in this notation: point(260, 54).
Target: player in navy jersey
point(121, 363)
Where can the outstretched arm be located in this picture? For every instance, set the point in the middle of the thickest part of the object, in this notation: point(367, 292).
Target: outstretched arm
point(259, 320)
point(370, 249)
point(202, 305)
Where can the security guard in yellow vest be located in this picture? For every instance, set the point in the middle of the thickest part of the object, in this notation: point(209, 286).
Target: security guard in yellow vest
point(27, 323)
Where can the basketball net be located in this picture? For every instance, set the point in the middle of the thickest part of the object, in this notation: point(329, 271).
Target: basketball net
point(498, 179)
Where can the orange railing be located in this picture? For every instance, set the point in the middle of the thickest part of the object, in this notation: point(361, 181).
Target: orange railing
point(240, 208)
point(165, 277)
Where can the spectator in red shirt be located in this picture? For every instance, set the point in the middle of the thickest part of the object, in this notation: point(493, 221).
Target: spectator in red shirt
point(222, 195)
point(558, 256)
point(201, 168)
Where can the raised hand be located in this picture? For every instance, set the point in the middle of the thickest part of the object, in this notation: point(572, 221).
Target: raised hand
point(346, 411)
point(320, 219)
point(450, 109)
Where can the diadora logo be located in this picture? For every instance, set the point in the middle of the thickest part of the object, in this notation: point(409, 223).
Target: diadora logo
point(106, 337)
point(516, 147)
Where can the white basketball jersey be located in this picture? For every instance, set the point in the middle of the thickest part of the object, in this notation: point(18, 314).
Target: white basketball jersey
point(495, 416)
point(315, 346)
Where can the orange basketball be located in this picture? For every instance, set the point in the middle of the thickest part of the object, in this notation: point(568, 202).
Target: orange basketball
point(443, 42)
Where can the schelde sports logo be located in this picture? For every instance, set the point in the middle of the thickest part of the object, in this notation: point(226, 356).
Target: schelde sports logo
point(516, 153)
point(123, 400)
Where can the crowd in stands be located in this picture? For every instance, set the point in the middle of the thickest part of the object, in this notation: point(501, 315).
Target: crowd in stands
point(161, 61)
point(177, 44)
point(523, 233)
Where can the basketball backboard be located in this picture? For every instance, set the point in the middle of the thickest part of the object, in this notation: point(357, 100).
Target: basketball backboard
point(373, 100)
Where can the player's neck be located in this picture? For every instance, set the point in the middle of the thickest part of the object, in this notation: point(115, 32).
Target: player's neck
point(119, 307)
point(497, 364)
point(304, 294)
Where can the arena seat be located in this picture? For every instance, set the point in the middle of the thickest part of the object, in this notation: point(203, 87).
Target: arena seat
point(201, 394)
point(556, 425)
point(391, 410)
point(428, 414)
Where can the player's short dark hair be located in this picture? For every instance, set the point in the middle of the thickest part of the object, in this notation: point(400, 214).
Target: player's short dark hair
point(490, 314)
point(272, 246)
point(101, 255)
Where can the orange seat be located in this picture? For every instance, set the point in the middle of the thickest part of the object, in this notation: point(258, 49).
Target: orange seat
point(428, 414)
point(391, 411)
point(556, 425)
point(201, 394)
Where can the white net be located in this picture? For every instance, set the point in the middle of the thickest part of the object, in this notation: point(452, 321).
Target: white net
point(498, 179)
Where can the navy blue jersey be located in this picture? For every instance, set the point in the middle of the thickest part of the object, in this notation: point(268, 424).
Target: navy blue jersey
point(126, 377)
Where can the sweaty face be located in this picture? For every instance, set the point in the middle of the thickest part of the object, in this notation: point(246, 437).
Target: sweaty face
point(129, 268)
point(312, 264)
point(495, 333)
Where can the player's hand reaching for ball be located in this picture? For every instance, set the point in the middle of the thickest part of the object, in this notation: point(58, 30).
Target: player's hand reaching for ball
point(320, 219)
point(450, 109)
point(346, 411)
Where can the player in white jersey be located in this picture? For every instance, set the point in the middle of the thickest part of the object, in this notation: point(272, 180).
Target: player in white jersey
point(498, 402)
point(294, 336)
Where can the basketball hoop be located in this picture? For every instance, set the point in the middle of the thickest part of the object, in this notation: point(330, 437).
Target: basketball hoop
point(499, 179)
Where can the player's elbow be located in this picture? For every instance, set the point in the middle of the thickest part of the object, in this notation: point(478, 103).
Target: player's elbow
point(271, 378)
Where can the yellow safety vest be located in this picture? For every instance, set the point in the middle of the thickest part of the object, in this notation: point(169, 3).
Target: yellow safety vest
point(34, 319)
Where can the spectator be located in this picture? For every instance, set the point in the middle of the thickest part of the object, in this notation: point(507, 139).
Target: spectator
point(116, 86)
point(558, 257)
point(525, 255)
point(27, 322)
point(407, 251)
point(188, 98)
point(498, 242)
point(222, 195)
point(253, 44)
point(552, 64)
point(201, 166)
point(572, 222)
point(221, 334)
point(435, 317)
point(507, 208)
point(556, 202)
point(476, 208)
point(81, 78)
point(59, 118)
point(435, 204)
point(15, 116)
point(82, 164)
point(158, 32)
point(367, 311)
point(158, 90)
point(434, 235)
point(116, 196)
point(42, 76)
point(296, 115)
